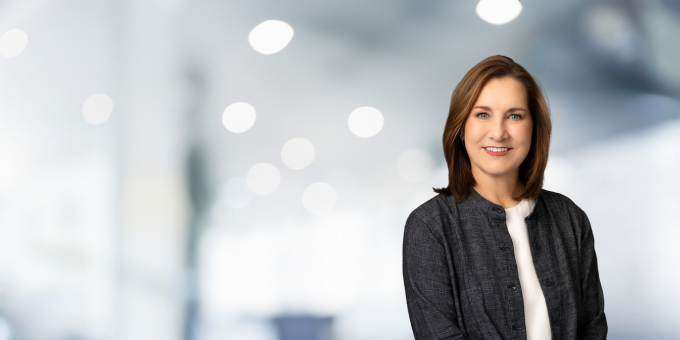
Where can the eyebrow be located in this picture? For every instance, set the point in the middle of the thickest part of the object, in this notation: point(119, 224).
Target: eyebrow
point(510, 110)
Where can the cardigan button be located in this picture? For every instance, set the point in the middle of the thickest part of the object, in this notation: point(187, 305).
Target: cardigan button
point(512, 287)
point(548, 282)
point(503, 248)
point(517, 328)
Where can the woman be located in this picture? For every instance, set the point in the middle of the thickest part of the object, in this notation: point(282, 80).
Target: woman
point(495, 256)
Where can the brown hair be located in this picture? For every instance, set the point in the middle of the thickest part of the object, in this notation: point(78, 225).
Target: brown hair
point(464, 97)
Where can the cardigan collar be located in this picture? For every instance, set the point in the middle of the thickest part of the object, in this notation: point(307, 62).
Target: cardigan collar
point(497, 210)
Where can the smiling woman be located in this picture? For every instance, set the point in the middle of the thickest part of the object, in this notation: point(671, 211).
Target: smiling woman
point(499, 130)
point(494, 255)
point(498, 103)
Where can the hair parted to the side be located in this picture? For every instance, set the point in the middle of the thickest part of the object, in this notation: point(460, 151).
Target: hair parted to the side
point(463, 99)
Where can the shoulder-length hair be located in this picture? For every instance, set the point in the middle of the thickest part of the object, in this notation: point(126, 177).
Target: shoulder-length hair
point(463, 99)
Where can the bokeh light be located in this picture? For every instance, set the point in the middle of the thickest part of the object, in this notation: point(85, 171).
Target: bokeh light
point(319, 198)
point(13, 42)
point(365, 121)
point(297, 153)
point(97, 108)
point(414, 165)
point(238, 117)
point(263, 178)
point(270, 36)
point(498, 12)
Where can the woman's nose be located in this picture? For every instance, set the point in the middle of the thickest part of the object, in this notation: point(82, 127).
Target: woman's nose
point(499, 131)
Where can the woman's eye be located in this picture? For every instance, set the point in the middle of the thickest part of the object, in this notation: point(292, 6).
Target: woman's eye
point(518, 116)
point(482, 113)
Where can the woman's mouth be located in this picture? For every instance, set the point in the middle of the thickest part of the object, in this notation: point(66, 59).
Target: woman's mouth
point(497, 151)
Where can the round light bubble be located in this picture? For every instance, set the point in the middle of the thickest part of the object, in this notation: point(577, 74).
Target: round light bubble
point(13, 42)
point(235, 193)
point(297, 153)
point(319, 198)
point(97, 108)
point(263, 178)
point(498, 12)
point(414, 165)
point(270, 36)
point(238, 117)
point(365, 121)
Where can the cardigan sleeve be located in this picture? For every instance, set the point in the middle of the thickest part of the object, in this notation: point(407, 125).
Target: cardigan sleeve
point(427, 283)
point(592, 323)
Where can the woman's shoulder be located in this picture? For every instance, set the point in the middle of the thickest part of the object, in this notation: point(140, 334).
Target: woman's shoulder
point(432, 206)
point(430, 217)
point(435, 211)
point(565, 210)
point(560, 201)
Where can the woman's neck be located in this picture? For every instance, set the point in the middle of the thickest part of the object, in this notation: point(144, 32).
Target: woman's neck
point(500, 193)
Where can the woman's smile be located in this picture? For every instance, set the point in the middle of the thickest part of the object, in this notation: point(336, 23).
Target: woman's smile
point(499, 118)
point(504, 151)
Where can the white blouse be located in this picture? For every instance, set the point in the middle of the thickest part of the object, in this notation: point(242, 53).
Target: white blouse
point(535, 309)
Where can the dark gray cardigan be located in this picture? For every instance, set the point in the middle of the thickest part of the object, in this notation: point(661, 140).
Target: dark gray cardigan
point(461, 276)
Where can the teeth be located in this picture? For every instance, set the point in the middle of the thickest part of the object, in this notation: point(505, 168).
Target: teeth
point(497, 149)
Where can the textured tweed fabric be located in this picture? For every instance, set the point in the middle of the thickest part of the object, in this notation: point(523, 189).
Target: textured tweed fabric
point(461, 278)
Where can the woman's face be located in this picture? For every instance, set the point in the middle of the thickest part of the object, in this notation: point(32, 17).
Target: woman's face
point(500, 118)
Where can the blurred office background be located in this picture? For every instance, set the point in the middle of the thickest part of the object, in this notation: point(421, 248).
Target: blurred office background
point(173, 169)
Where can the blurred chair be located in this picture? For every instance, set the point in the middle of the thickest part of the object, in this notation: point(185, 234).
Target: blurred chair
point(304, 327)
